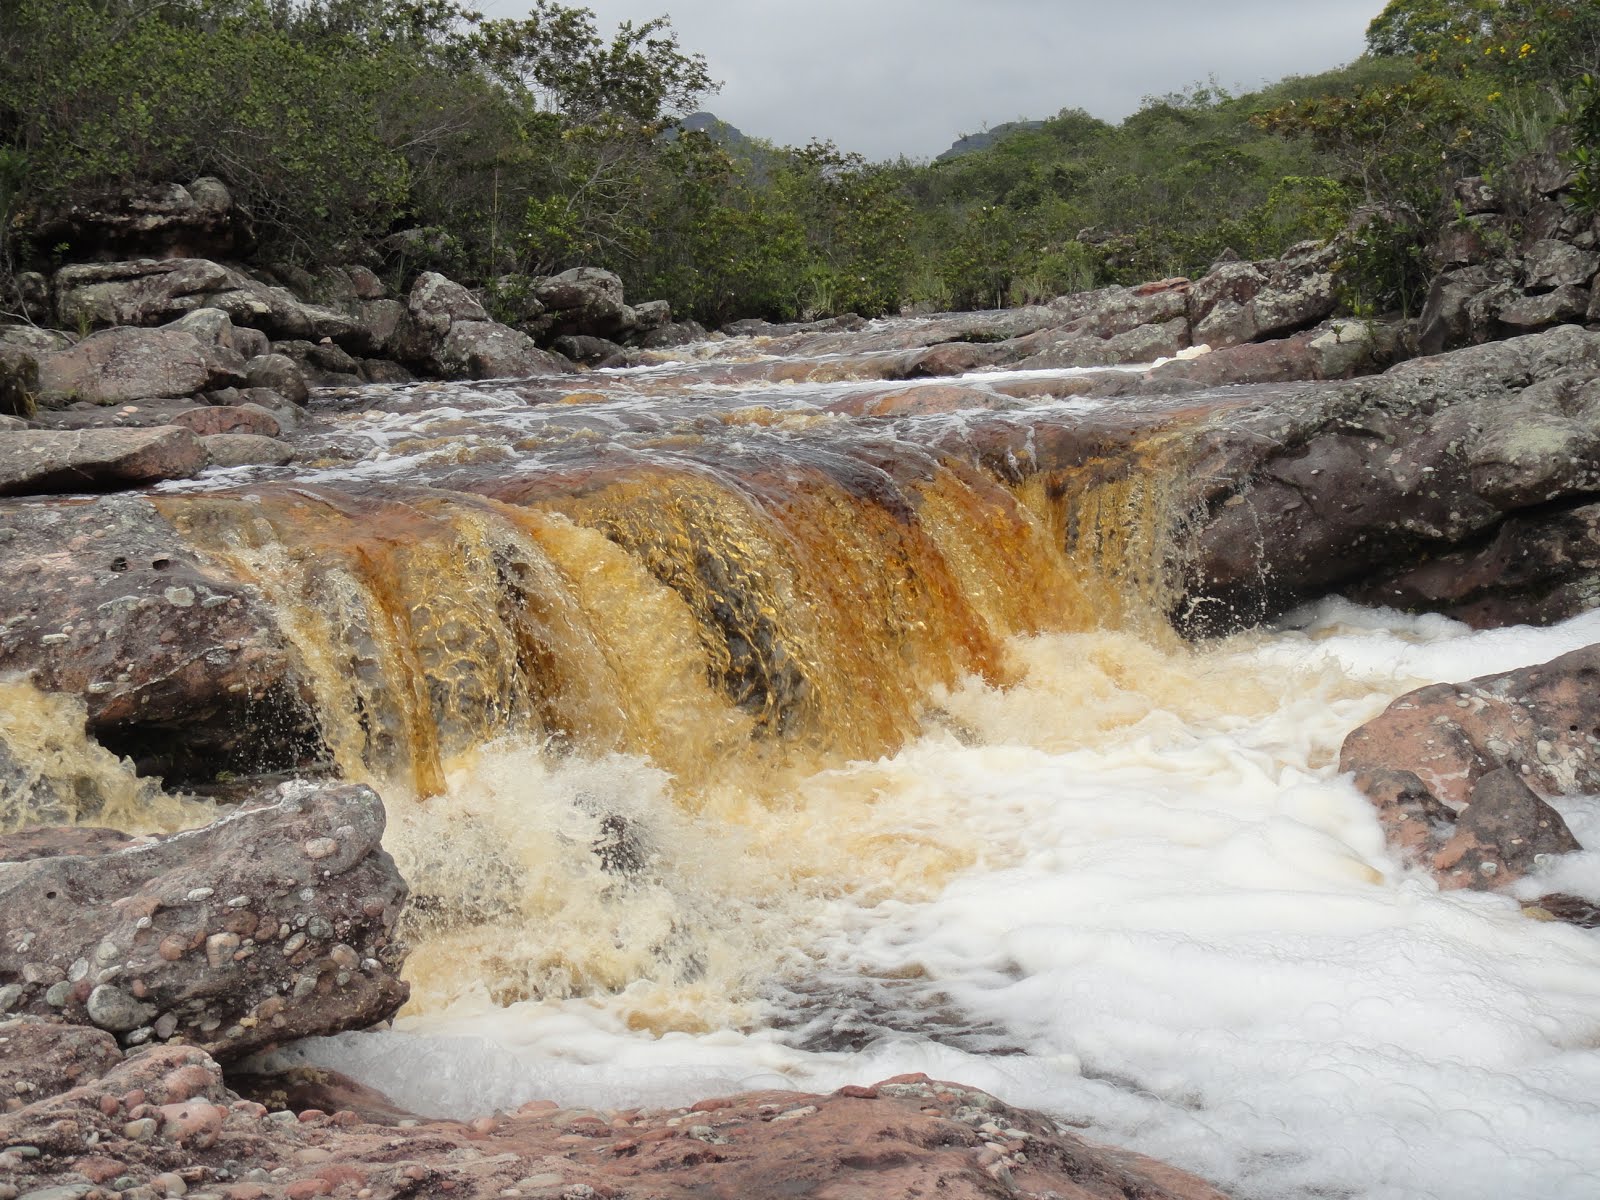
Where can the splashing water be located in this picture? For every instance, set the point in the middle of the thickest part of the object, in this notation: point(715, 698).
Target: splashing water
point(1129, 890)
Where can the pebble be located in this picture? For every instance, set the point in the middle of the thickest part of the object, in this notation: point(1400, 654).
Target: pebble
point(57, 995)
point(170, 1183)
point(67, 1191)
point(112, 1008)
point(320, 848)
point(220, 948)
point(294, 944)
point(794, 1114)
point(199, 894)
point(10, 997)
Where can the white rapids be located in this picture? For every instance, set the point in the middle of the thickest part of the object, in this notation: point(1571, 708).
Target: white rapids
point(1131, 891)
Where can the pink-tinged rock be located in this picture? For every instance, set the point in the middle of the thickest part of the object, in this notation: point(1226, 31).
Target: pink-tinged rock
point(39, 461)
point(210, 420)
point(1460, 772)
point(901, 1138)
point(194, 1124)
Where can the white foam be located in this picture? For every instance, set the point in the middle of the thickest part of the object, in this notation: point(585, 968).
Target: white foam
point(1174, 906)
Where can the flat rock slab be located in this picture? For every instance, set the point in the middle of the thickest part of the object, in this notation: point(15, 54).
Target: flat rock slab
point(43, 461)
point(167, 1111)
point(273, 923)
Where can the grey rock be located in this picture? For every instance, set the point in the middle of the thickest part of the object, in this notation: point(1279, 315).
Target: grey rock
point(119, 365)
point(1551, 264)
point(247, 450)
point(279, 373)
point(489, 350)
point(43, 461)
point(111, 1008)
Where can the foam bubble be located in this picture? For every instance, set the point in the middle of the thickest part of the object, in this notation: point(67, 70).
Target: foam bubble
point(1138, 868)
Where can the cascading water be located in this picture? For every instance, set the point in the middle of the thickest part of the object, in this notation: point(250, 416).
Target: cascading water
point(749, 723)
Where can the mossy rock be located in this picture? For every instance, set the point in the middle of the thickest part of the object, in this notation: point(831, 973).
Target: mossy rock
point(19, 381)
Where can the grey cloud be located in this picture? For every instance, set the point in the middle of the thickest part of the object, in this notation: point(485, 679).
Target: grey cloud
point(887, 77)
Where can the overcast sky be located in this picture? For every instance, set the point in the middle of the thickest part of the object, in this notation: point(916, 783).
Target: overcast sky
point(887, 77)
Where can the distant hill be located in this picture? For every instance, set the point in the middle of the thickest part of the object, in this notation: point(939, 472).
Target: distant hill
point(974, 142)
point(715, 128)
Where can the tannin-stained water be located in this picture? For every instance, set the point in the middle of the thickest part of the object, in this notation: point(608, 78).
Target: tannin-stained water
point(747, 724)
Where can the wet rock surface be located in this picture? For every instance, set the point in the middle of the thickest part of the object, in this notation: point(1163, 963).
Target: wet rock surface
point(1460, 773)
point(179, 663)
point(273, 923)
point(167, 1113)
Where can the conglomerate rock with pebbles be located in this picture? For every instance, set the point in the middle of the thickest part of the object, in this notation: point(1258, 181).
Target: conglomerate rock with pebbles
point(162, 1123)
point(272, 923)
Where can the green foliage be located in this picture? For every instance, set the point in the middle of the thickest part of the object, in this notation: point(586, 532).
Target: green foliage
point(499, 150)
point(1583, 120)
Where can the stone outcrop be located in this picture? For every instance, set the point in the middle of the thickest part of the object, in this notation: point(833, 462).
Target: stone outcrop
point(1518, 259)
point(1460, 772)
point(149, 292)
point(167, 1113)
point(1534, 569)
point(179, 663)
point(96, 460)
point(1340, 486)
point(166, 221)
point(271, 924)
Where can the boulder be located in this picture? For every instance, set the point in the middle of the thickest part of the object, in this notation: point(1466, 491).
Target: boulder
point(165, 220)
point(1527, 313)
point(31, 338)
point(1549, 264)
point(437, 303)
point(214, 419)
point(676, 333)
point(39, 461)
point(1501, 742)
point(1449, 317)
point(1542, 445)
point(381, 370)
point(279, 373)
point(247, 450)
point(1246, 302)
point(1282, 360)
point(181, 666)
point(119, 365)
point(585, 300)
point(148, 292)
point(271, 924)
point(651, 316)
point(489, 350)
point(590, 351)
